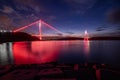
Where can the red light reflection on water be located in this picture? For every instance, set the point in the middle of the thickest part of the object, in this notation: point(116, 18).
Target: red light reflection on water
point(86, 50)
point(86, 46)
point(86, 42)
point(35, 52)
point(21, 53)
point(45, 51)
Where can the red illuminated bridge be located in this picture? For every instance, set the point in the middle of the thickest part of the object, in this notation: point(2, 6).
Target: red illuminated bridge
point(40, 23)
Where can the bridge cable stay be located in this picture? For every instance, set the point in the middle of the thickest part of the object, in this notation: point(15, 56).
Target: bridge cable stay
point(19, 29)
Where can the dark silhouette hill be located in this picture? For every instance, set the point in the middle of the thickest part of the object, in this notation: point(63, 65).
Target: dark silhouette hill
point(17, 36)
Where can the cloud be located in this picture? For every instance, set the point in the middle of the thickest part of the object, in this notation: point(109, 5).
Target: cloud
point(81, 6)
point(70, 33)
point(59, 34)
point(16, 19)
point(33, 10)
point(25, 12)
point(23, 20)
point(113, 16)
point(118, 28)
point(28, 5)
point(100, 29)
point(7, 9)
point(51, 17)
point(5, 22)
point(12, 17)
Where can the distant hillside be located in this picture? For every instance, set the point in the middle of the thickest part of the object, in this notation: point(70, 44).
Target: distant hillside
point(71, 38)
point(104, 38)
point(18, 36)
point(61, 38)
point(44, 38)
point(80, 38)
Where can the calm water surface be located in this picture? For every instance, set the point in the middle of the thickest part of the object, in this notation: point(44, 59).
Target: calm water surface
point(107, 52)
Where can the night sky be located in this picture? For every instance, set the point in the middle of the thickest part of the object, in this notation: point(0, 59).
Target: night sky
point(98, 17)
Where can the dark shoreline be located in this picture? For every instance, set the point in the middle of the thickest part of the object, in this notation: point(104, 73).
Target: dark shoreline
point(21, 36)
point(16, 37)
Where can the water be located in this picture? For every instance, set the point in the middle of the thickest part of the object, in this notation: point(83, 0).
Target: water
point(36, 52)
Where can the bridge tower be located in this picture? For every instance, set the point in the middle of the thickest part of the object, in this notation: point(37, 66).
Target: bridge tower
point(86, 37)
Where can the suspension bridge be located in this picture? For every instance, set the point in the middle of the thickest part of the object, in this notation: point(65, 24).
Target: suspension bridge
point(40, 24)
